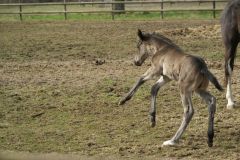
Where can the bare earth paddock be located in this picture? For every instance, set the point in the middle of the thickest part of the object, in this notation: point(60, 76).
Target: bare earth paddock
point(61, 82)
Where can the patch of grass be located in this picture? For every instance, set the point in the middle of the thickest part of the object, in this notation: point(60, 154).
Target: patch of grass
point(190, 15)
point(123, 16)
point(88, 16)
point(8, 17)
point(167, 15)
point(138, 16)
point(43, 17)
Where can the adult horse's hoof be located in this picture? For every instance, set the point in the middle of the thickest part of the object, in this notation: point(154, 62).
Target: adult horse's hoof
point(230, 106)
point(169, 143)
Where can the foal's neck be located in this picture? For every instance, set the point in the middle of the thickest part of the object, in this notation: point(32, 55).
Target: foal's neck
point(152, 49)
point(156, 48)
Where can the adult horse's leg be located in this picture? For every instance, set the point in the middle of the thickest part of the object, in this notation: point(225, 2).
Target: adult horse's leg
point(162, 81)
point(230, 38)
point(187, 116)
point(211, 101)
point(146, 76)
point(231, 46)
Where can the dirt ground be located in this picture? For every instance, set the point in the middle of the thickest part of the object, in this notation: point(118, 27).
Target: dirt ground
point(61, 82)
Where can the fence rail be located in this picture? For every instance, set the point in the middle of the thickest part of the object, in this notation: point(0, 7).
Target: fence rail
point(112, 11)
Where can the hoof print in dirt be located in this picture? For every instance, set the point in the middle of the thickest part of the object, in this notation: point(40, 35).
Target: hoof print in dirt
point(99, 61)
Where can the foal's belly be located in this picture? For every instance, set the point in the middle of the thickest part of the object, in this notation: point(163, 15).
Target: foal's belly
point(171, 73)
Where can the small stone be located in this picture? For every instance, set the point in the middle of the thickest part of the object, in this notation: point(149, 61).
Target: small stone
point(99, 61)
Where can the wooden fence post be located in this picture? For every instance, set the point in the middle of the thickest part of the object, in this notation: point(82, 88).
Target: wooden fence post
point(65, 10)
point(162, 9)
point(214, 7)
point(112, 10)
point(20, 11)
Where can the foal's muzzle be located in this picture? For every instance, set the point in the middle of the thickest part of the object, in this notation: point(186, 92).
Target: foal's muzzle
point(137, 63)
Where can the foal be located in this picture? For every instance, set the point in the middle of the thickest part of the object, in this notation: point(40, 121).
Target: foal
point(230, 23)
point(169, 62)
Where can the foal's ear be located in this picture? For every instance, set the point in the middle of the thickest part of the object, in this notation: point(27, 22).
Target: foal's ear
point(141, 35)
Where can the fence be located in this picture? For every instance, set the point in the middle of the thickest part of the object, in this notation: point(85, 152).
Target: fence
point(159, 6)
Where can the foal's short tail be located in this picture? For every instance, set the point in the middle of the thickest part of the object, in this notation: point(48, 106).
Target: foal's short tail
point(212, 79)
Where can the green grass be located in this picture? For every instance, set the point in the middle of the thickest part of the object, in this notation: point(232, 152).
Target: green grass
point(190, 15)
point(125, 16)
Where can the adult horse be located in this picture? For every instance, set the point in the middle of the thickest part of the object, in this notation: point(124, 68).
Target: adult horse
point(230, 26)
point(169, 62)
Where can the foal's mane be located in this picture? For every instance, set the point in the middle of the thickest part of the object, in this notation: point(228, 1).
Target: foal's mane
point(162, 39)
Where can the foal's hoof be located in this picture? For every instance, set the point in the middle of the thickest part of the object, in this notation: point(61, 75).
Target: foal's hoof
point(153, 124)
point(122, 102)
point(169, 143)
point(153, 119)
point(210, 144)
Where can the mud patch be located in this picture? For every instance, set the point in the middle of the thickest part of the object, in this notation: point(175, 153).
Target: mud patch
point(203, 31)
point(61, 82)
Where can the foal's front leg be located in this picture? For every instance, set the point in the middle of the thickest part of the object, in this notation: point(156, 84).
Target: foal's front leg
point(162, 81)
point(146, 76)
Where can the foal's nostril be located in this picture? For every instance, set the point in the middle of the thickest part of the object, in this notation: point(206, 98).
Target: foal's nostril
point(137, 63)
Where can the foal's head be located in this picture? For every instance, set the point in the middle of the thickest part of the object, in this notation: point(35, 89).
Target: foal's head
point(149, 44)
point(143, 48)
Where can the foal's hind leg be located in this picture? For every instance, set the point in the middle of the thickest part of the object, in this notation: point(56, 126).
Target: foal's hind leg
point(211, 101)
point(146, 76)
point(162, 81)
point(187, 116)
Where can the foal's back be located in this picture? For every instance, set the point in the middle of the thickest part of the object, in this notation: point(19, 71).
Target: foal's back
point(187, 70)
point(171, 61)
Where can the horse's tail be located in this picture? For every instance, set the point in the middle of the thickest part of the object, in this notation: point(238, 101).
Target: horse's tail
point(212, 79)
